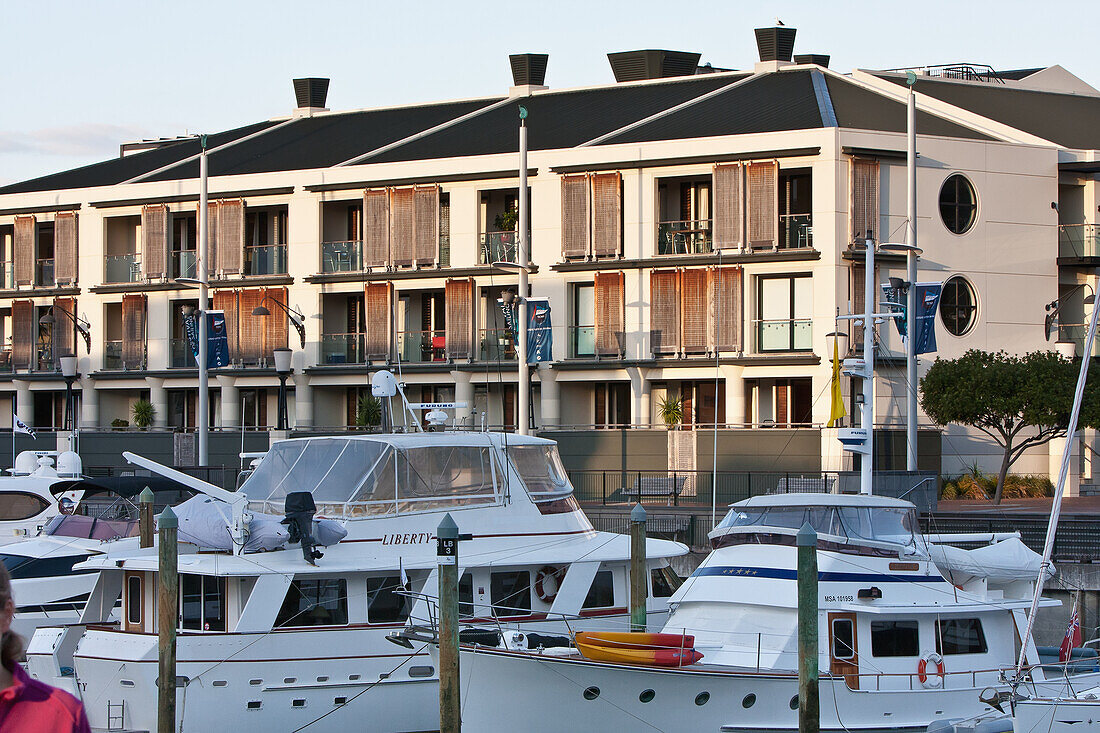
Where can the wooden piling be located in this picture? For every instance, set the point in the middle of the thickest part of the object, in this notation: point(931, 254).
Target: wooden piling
point(450, 712)
point(145, 502)
point(638, 585)
point(809, 711)
point(167, 603)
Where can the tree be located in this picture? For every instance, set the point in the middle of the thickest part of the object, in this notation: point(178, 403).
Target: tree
point(368, 411)
point(1018, 401)
point(144, 413)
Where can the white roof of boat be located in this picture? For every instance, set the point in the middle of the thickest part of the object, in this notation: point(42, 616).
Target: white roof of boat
point(823, 499)
point(420, 440)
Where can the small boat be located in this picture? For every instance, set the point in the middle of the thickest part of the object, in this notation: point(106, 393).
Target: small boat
point(654, 649)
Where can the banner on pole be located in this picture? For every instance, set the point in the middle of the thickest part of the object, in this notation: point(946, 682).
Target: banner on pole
point(540, 335)
point(928, 301)
point(217, 340)
point(510, 321)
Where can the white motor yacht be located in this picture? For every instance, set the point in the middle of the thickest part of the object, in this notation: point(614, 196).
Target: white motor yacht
point(268, 640)
point(26, 502)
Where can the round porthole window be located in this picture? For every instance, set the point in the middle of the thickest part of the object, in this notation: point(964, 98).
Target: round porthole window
point(958, 203)
point(702, 698)
point(647, 695)
point(794, 703)
point(748, 700)
point(958, 306)
point(591, 693)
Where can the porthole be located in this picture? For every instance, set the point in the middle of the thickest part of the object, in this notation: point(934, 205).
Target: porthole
point(126, 683)
point(254, 704)
point(339, 701)
point(702, 698)
point(958, 306)
point(591, 693)
point(421, 670)
point(323, 678)
point(646, 695)
point(958, 204)
point(220, 683)
point(353, 677)
point(748, 700)
point(255, 683)
point(289, 680)
point(794, 703)
point(299, 703)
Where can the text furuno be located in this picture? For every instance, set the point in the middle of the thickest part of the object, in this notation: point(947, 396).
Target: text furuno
point(408, 538)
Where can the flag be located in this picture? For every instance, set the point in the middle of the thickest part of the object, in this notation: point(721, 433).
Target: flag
point(1072, 638)
point(19, 426)
point(928, 302)
point(404, 577)
point(540, 334)
point(837, 411)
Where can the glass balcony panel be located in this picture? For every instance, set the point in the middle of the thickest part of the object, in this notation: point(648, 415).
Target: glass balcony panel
point(687, 237)
point(343, 348)
point(497, 344)
point(122, 268)
point(265, 260)
point(181, 356)
point(422, 346)
point(7, 275)
point(185, 263)
point(796, 231)
point(112, 355)
point(5, 361)
point(785, 335)
point(500, 247)
point(582, 341)
point(44, 273)
point(341, 256)
point(1078, 240)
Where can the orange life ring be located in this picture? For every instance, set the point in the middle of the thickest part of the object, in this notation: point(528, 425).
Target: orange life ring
point(547, 571)
point(937, 677)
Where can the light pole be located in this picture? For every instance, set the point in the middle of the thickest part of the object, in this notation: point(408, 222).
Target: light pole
point(282, 368)
point(81, 326)
point(912, 252)
point(202, 274)
point(68, 370)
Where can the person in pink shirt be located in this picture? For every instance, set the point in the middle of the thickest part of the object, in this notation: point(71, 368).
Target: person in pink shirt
point(27, 705)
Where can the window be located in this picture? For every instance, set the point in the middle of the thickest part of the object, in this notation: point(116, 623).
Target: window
point(612, 404)
point(582, 334)
point(202, 603)
point(795, 207)
point(14, 506)
point(133, 599)
point(510, 592)
point(665, 581)
point(384, 605)
point(466, 595)
point(602, 592)
point(315, 603)
point(958, 305)
point(21, 567)
point(960, 636)
point(894, 639)
point(844, 638)
point(958, 204)
point(784, 306)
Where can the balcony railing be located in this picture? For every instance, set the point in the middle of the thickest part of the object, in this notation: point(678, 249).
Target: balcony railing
point(5, 361)
point(582, 341)
point(796, 231)
point(7, 275)
point(499, 247)
point(267, 259)
point(784, 335)
point(112, 357)
point(180, 355)
point(497, 344)
point(343, 348)
point(1079, 240)
point(43, 273)
point(122, 268)
point(688, 237)
point(341, 256)
point(185, 263)
point(422, 346)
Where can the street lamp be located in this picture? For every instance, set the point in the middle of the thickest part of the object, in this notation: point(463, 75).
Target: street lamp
point(68, 370)
point(282, 368)
point(296, 319)
point(82, 326)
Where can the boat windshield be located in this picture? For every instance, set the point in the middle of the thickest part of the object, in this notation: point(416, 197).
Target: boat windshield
point(90, 528)
point(359, 478)
point(541, 469)
point(893, 525)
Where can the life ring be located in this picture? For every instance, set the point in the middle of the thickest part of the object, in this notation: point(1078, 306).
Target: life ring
point(934, 680)
point(547, 571)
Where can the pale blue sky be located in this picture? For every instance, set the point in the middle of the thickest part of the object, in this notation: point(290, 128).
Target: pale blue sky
point(77, 78)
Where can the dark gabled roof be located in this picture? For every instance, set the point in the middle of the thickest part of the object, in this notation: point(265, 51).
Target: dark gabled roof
point(1069, 120)
point(768, 103)
point(117, 170)
point(863, 109)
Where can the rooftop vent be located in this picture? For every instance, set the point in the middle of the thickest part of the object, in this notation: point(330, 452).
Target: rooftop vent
point(311, 92)
point(528, 69)
point(652, 64)
point(821, 59)
point(775, 43)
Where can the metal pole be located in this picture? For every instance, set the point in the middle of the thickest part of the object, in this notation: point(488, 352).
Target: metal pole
point(69, 403)
point(637, 569)
point(202, 273)
point(867, 414)
point(809, 713)
point(523, 255)
point(167, 603)
point(450, 712)
point(282, 419)
point(911, 299)
point(145, 503)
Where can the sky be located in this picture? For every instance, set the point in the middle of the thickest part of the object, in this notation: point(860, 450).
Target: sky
point(78, 78)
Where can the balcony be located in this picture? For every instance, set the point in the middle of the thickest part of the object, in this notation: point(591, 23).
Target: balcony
point(180, 355)
point(497, 344)
point(122, 268)
point(796, 231)
point(5, 361)
point(422, 346)
point(265, 260)
point(184, 263)
point(582, 342)
point(343, 348)
point(784, 335)
point(499, 247)
point(688, 237)
point(43, 273)
point(1078, 241)
point(341, 256)
point(112, 357)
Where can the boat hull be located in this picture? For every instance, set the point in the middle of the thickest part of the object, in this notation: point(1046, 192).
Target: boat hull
point(1056, 716)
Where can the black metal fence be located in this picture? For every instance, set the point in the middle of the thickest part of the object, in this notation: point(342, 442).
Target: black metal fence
point(224, 476)
point(1077, 540)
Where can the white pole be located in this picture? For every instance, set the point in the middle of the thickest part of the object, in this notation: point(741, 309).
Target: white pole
point(523, 394)
point(867, 414)
point(911, 300)
point(201, 272)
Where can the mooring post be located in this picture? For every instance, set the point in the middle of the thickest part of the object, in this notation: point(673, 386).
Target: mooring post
point(145, 519)
point(809, 712)
point(167, 603)
point(638, 585)
point(450, 713)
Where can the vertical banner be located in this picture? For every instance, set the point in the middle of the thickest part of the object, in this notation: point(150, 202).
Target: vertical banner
point(191, 331)
point(217, 341)
point(510, 321)
point(540, 337)
point(928, 302)
point(895, 298)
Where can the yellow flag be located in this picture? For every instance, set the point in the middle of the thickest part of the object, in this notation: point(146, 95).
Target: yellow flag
point(837, 410)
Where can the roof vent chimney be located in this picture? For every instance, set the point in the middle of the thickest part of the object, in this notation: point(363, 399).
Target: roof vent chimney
point(652, 64)
point(528, 73)
point(821, 59)
point(311, 94)
point(775, 43)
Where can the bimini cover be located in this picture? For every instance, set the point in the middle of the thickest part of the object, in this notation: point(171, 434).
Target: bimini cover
point(1004, 562)
point(204, 521)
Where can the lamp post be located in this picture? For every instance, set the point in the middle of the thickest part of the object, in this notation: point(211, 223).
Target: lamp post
point(296, 318)
point(68, 370)
point(203, 418)
point(282, 368)
point(912, 252)
point(79, 324)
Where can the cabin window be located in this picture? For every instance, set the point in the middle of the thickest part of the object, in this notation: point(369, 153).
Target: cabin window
point(511, 593)
point(202, 603)
point(15, 506)
point(844, 638)
point(133, 600)
point(894, 639)
point(541, 469)
point(315, 603)
point(602, 592)
point(960, 636)
point(384, 603)
point(665, 581)
point(466, 595)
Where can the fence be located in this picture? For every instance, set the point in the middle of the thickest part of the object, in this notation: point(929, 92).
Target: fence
point(223, 476)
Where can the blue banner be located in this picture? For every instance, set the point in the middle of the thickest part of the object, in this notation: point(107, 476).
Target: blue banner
point(217, 340)
point(540, 335)
point(928, 302)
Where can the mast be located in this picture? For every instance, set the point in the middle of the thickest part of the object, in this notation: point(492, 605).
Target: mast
point(867, 413)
